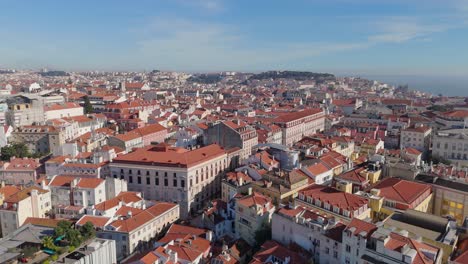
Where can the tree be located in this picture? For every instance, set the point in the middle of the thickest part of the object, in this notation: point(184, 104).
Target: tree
point(19, 150)
point(48, 242)
point(88, 107)
point(87, 230)
point(62, 228)
point(74, 237)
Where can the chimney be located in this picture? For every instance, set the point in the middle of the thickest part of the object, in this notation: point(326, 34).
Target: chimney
point(249, 191)
point(2, 184)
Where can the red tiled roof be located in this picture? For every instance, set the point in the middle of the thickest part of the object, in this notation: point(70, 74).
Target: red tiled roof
point(401, 190)
point(125, 197)
point(397, 242)
point(97, 221)
point(334, 197)
point(273, 248)
point(358, 226)
point(297, 115)
point(164, 155)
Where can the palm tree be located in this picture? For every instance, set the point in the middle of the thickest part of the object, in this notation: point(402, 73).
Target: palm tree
point(48, 242)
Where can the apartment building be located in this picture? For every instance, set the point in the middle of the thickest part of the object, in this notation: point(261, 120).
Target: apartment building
point(71, 195)
point(418, 137)
point(301, 226)
point(399, 195)
point(54, 111)
point(296, 125)
point(450, 197)
point(39, 139)
point(160, 172)
point(19, 204)
point(253, 213)
point(231, 134)
point(327, 200)
point(134, 228)
point(452, 145)
point(20, 170)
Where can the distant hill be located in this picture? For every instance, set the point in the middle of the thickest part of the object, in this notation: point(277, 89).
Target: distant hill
point(54, 73)
point(296, 75)
point(205, 78)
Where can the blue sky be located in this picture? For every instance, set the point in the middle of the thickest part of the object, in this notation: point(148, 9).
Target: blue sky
point(424, 37)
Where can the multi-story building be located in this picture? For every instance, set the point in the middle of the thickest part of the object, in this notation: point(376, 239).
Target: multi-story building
point(137, 227)
point(233, 183)
point(39, 139)
point(231, 134)
point(434, 230)
point(386, 246)
point(54, 111)
point(20, 171)
point(24, 110)
point(417, 137)
point(452, 145)
point(450, 197)
point(71, 195)
point(327, 200)
point(19, 204)
point(253, 213)
point(296, 125)
point(301, 226)
point(282, 187)
point(161, 172)
point(97, 250)
point(400, 195)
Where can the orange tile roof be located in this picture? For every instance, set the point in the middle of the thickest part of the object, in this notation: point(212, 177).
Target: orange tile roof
point(125, 197)
point(401, 190)
point(397, 242)
point(135, 221)
point(164, 155)
point(89, 183)
point(334, 197)
point(97, 221)
point(296, 115)
point(358, 226)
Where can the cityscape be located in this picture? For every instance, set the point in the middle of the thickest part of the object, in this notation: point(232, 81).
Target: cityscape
point(276, 162)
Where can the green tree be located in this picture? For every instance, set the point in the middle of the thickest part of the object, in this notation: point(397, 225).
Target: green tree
point(19, 150)
point(74, 237)
point(48, 242)
point(62, 228)
point(88, 107)
point(87, 230)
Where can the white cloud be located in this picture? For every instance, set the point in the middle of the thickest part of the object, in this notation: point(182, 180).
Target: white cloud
point(191, 45)
point(403, 29)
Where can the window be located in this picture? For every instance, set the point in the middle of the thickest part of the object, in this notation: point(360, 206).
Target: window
point(130, 179)
point(165, 174)
point(175, 175)
point(148, 181)
point(157, 173)
point(182, 183)
point(166, 182)
point(348, 248)
point(139, 180)
point(139, 172)
point(156, 181)
point(335, 254)
point(147, 173)
point(174, 182)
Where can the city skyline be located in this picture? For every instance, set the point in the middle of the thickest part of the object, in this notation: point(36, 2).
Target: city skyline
point(339, 36)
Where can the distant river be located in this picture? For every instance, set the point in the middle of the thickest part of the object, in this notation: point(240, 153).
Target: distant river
point(451, 86)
